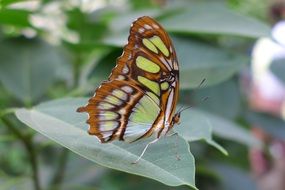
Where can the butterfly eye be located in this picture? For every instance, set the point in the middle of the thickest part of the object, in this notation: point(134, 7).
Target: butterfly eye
point(176, 118)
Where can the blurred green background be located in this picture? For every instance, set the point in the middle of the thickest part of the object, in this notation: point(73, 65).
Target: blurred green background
point(53, 49)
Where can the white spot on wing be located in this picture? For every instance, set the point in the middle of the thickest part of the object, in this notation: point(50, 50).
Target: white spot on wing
point(121, 77)
point(155, 26)
point(141, 30)
point(148, 27)
point(125, 69)
point(127, 89)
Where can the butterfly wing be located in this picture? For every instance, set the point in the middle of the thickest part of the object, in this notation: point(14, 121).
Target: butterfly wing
point(141, 94)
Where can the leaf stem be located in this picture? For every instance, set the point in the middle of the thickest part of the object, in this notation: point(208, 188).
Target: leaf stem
point(28, 144)
point(7, 111)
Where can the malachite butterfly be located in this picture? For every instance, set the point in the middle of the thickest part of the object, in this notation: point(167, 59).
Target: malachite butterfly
point(140, 96)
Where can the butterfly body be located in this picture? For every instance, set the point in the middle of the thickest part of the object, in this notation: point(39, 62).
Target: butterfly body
point(140, 96)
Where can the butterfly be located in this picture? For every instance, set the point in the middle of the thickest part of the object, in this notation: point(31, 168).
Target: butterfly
point(139, 98)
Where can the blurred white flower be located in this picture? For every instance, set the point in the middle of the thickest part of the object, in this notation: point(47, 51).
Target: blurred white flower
point(25, 5)
point(278, 32)
point(52, 20)
point(264, 53)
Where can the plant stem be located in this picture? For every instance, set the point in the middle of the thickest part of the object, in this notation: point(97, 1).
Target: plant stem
point(28, 144)
point(59, 174)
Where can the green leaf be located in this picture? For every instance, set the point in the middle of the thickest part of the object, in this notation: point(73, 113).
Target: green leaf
point(229, 130)
point(226, 94)
point(118, 40)
point(233, 178)
point(103, 68)
point(147, 4)
point(200, 61)
point(15, 17)
point(214, 18)
point(29, 67)
point(89, 29)
point(59, 121)
point(195, 126)
point(272, 125)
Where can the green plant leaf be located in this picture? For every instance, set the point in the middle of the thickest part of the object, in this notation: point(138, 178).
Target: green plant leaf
point(200, 61)
point(59, 121)
point(102, 69)
point(229, 130)
point(15, 17)
point(29, 67)
point(232, 177)
point(226, 93)
point(89, 27)
point(195, 126)
point(272, 125)
point(214, 18)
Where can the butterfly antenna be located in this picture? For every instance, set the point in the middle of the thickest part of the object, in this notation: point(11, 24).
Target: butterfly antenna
point(181, 109)
point(201, 83)
point(198, 87)
point(205, 99)
point(186, 108)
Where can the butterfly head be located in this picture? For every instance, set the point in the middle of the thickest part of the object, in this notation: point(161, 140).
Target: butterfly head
point(176, 118)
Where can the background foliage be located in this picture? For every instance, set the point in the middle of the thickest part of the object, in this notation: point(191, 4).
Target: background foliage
point(57, 51)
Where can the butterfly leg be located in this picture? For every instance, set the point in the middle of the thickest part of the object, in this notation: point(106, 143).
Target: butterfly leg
point(172, 134)
point(155, 140)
